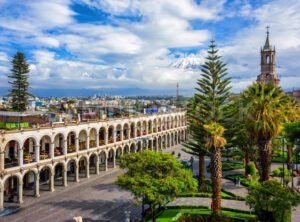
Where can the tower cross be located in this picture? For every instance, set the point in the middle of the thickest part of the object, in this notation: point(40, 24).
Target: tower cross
point(268, 27)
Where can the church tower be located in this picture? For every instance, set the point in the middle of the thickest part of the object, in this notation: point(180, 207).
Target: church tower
point(268, 64)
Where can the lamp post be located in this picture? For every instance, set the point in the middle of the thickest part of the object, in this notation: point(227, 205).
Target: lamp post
point(282, 138)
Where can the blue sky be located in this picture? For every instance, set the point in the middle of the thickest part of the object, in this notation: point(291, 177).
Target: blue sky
point(145, 43)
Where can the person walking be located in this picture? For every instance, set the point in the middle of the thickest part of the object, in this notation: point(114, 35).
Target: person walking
point(179, 155)
point(239, 181)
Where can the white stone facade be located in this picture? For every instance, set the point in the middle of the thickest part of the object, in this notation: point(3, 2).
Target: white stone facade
point(30, 155)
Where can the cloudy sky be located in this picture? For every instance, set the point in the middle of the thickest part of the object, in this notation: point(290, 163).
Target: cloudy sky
point(149, 44)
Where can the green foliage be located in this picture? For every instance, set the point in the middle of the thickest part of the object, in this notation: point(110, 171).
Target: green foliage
point(227, 166)
point(243, 180)
point(267, 108)
point(19, 82)
point(292, 132)
point(271, 201)
point(279, 172)
point(173, 213)
point(251, 169)
point(155, 177)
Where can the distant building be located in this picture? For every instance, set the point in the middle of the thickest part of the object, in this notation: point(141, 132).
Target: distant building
point(295, 94)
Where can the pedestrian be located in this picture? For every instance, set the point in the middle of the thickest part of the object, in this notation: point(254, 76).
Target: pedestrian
point(179, 155)
point(239, 181)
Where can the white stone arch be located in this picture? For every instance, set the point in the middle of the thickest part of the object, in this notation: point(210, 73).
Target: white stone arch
point(126, 131)
point(46, 166)
point(34, 170)
point(75, 159)
point(35, 138)
point(60, 162)
point(111, 131)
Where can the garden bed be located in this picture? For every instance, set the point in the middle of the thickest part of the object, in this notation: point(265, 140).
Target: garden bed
point(173, 213)
point(243, 180)
point(227, 166)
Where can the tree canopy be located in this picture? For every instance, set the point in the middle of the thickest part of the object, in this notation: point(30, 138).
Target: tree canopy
point(154, 177)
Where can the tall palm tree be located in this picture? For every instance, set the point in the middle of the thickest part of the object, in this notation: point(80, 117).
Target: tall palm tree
point(214, 143)
point(267, 108)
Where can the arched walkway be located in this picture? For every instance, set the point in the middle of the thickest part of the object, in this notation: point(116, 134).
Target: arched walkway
point(83, 166)
point(103, 161)
point(94, 164)
point(11, 155)
point(59, 145)
point(46, 179)
point(13, 190)
point(72, 171)
point(132, 148)
point(111, 160)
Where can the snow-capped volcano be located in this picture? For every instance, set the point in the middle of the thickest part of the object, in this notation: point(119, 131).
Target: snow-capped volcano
point(190, 62)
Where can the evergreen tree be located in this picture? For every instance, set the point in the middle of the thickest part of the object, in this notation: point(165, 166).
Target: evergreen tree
point(19, 83)
point(209, 106)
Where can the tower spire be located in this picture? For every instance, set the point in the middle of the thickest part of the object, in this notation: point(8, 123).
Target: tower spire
point(267, 46)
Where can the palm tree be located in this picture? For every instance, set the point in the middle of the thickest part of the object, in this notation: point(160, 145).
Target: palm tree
point(214, 143)
point(267, 108)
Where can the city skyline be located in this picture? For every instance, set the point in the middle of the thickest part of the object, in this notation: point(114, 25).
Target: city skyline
point(139, 44)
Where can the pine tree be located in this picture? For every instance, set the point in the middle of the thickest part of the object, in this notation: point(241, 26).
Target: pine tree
point(210, 102)
point(19, 83)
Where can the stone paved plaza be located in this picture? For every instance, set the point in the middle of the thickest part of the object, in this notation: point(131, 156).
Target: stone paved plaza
point(96, 199)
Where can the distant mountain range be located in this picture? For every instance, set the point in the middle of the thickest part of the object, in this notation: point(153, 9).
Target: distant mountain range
point(190, 62)
point(102, 92)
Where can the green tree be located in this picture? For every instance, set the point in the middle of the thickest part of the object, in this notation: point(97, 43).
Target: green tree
point(196, 144)
point(267, 108)
point(271, 201)
point(19, 91)
point(215, 142)
point(211, 99)
point(237, 133)
point(154, 178)
point(292, 134)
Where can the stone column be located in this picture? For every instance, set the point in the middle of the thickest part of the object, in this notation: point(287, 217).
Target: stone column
point(1, 199)
point(87, 143)
point(20, 192)
point(37, 185)
point(105, 138)
point(51, 150)
point(135, 131)
point(114, 160)
point(37, 153)
point(128, 132)
point(77, 173)
point(97, 140)
point(76, 144)
point(121, 134)
point(146, 128)
point(114, 135)
point(65, 147)
point(87, 169)
point(2, 160)
point(97, 165)
point(65, 178)
point(106, 168)
point(51, 182)
point(20, 157)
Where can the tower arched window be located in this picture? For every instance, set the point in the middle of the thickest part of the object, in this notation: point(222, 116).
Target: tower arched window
point(268, 59)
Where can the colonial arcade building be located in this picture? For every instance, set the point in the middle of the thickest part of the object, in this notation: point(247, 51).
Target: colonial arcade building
point(57, 154)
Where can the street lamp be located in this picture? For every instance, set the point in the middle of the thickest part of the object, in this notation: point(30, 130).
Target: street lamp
point(282, 138)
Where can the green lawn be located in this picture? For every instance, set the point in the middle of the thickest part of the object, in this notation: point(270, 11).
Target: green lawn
point(169, 214)
point(243, 180)
point(226, 166)
point(278, 159)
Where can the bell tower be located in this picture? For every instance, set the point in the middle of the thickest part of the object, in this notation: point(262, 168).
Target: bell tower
point(267, 63)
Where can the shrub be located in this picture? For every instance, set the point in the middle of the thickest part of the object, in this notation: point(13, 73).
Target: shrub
point(251, 169)
point(279, 172)
point(271, 201)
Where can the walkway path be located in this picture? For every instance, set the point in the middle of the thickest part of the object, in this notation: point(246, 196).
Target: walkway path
point(207, 201)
